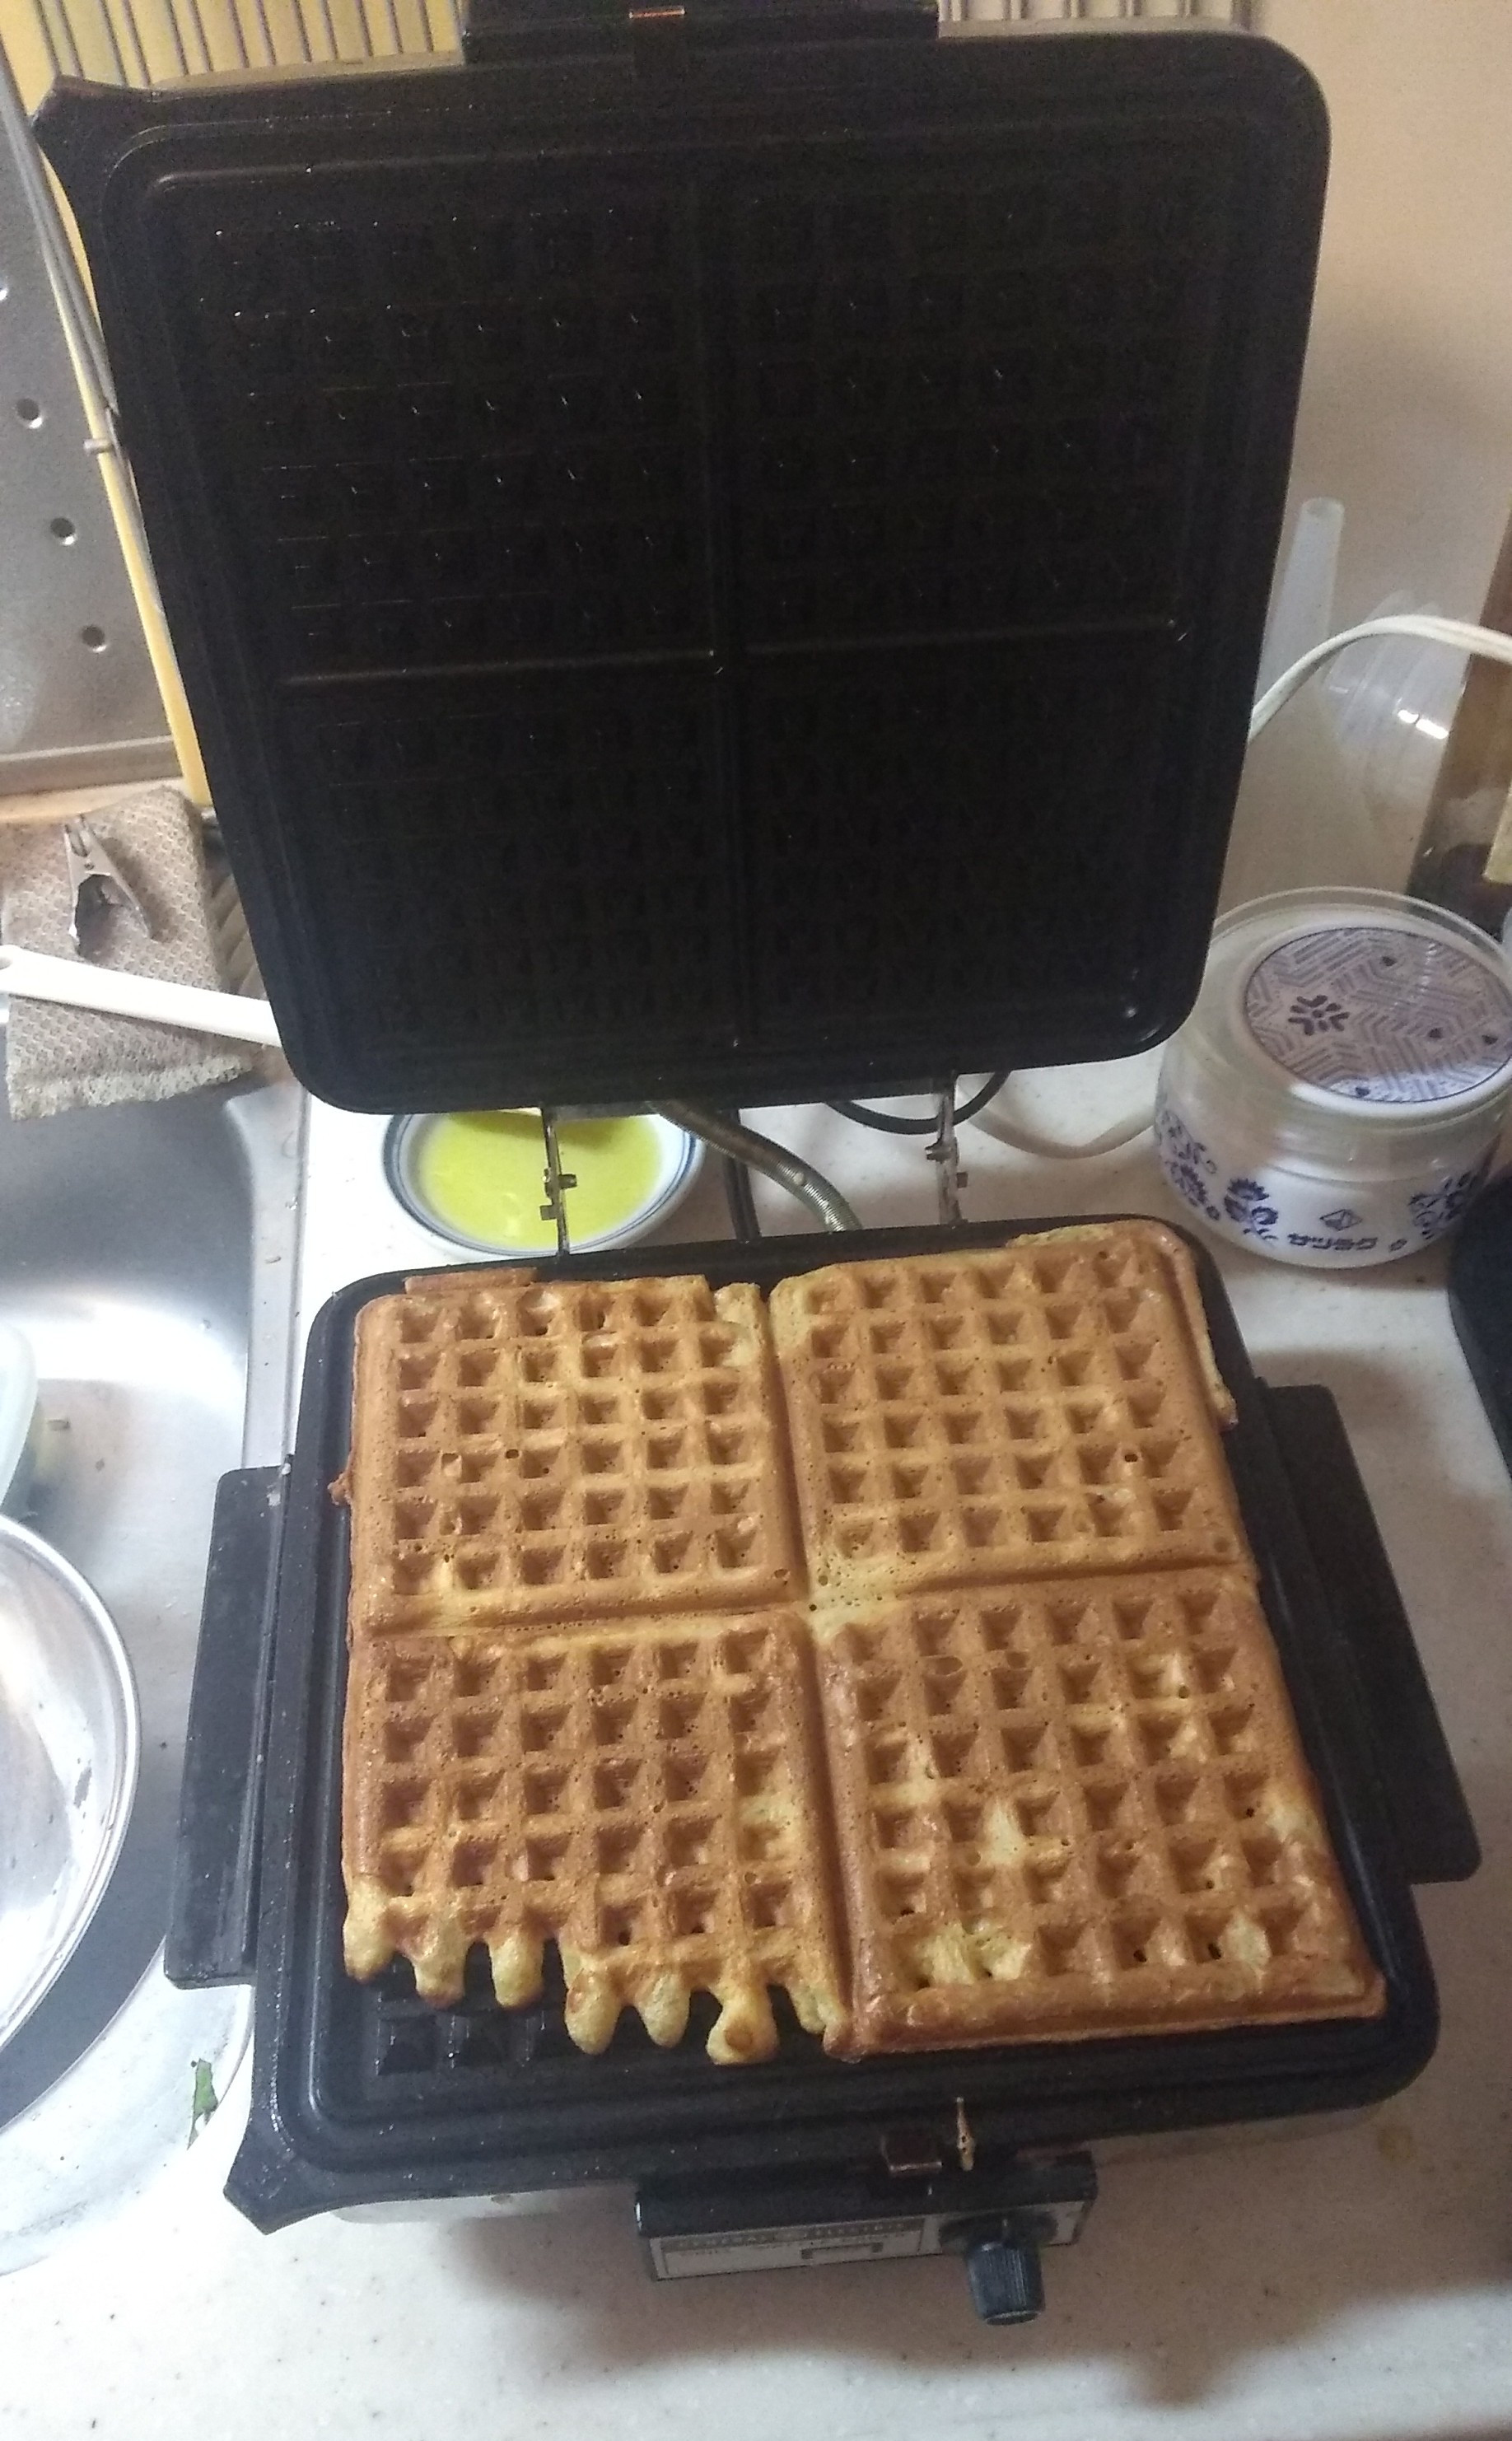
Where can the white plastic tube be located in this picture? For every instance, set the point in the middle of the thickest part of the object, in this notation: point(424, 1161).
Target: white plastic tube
point(1301, 612)
point(29, 975)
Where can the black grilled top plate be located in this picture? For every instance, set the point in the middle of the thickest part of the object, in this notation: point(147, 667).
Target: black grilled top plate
point(363, 2091)
point(745, 583)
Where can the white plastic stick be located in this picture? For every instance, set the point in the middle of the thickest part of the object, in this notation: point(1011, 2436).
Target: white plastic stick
point(73, 984)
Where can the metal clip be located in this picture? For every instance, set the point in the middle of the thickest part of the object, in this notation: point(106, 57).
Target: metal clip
point(945, 1154)
point(555, 1181)
point(94, 885)
point(658, 40)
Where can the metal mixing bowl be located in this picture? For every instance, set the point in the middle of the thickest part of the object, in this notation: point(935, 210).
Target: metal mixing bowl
point(69, 1744)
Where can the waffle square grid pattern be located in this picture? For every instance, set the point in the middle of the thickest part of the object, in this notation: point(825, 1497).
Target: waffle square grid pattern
point(999, 1414)
point(647, 1798)
point(1066, 1810)
point(526, 1450)
point(475, 439)
point(1033, 1712)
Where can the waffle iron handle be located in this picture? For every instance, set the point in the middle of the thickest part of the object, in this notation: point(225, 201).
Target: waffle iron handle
point(1435, 1831)
point(495, 29)
point(212, 1911)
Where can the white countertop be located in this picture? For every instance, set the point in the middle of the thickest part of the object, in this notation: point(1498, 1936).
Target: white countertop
point(1358, 2281)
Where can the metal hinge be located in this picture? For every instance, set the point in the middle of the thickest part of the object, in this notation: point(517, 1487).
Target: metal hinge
point(660, 36)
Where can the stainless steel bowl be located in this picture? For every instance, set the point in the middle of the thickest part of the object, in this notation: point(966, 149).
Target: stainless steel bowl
point(69, 1747)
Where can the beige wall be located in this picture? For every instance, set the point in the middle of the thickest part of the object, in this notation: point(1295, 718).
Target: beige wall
point(1407, 401)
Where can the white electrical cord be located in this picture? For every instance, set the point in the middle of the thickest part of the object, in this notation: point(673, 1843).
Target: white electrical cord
point(1460, 635)
point(1025, 1139)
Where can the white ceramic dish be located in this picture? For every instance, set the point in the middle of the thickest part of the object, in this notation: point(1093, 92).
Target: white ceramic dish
point(69, 1749)
point(679, 1159)
point(1335, 1095)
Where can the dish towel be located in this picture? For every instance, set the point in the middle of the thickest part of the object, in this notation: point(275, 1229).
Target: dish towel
point(74, 1058)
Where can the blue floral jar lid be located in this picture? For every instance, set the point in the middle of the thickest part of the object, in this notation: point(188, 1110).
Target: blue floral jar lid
point(1382, 1014)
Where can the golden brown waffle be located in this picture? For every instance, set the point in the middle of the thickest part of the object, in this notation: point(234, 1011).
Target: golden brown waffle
point(531, 1450)
point(1069, 1809)
point(1039, 1409)
point(1062, 1769)
point(646, 1797)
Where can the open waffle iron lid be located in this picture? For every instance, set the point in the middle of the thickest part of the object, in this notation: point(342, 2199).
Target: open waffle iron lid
point(716, 566)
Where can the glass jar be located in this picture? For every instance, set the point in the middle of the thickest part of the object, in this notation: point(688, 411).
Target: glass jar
point(1336, 1096)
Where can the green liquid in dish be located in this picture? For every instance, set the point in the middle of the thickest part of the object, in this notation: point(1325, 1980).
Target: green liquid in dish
point(483, 1173)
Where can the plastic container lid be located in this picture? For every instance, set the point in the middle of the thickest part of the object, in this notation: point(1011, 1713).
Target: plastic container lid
point(1386, 1013)
point(1356, 1007)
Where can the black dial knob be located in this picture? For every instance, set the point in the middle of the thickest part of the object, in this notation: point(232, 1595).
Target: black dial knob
point(1006, 2285)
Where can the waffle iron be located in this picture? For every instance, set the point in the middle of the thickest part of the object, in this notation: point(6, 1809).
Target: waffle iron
point(363, 2093)
point(721, 552)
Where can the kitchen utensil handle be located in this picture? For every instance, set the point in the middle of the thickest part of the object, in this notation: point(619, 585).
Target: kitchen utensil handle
point(1421, 1788)
point(213, 1907)
point(71, 983)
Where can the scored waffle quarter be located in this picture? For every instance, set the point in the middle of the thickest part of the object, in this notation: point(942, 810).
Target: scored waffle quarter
point(1044, 1407)
point(646, 1797)
point(1078, 1810)
point(529, 1449)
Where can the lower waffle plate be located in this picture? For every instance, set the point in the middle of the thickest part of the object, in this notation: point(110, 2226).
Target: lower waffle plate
point(366, 2092)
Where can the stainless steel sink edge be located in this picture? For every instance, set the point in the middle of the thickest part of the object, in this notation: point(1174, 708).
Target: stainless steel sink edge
point(270, 1121)
point(131, 2101)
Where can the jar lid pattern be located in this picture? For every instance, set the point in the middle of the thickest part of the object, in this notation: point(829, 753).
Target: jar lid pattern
point(1381, 1014)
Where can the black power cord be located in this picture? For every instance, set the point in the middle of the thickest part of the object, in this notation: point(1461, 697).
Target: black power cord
point(889, 1125)
point(740, 1200)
